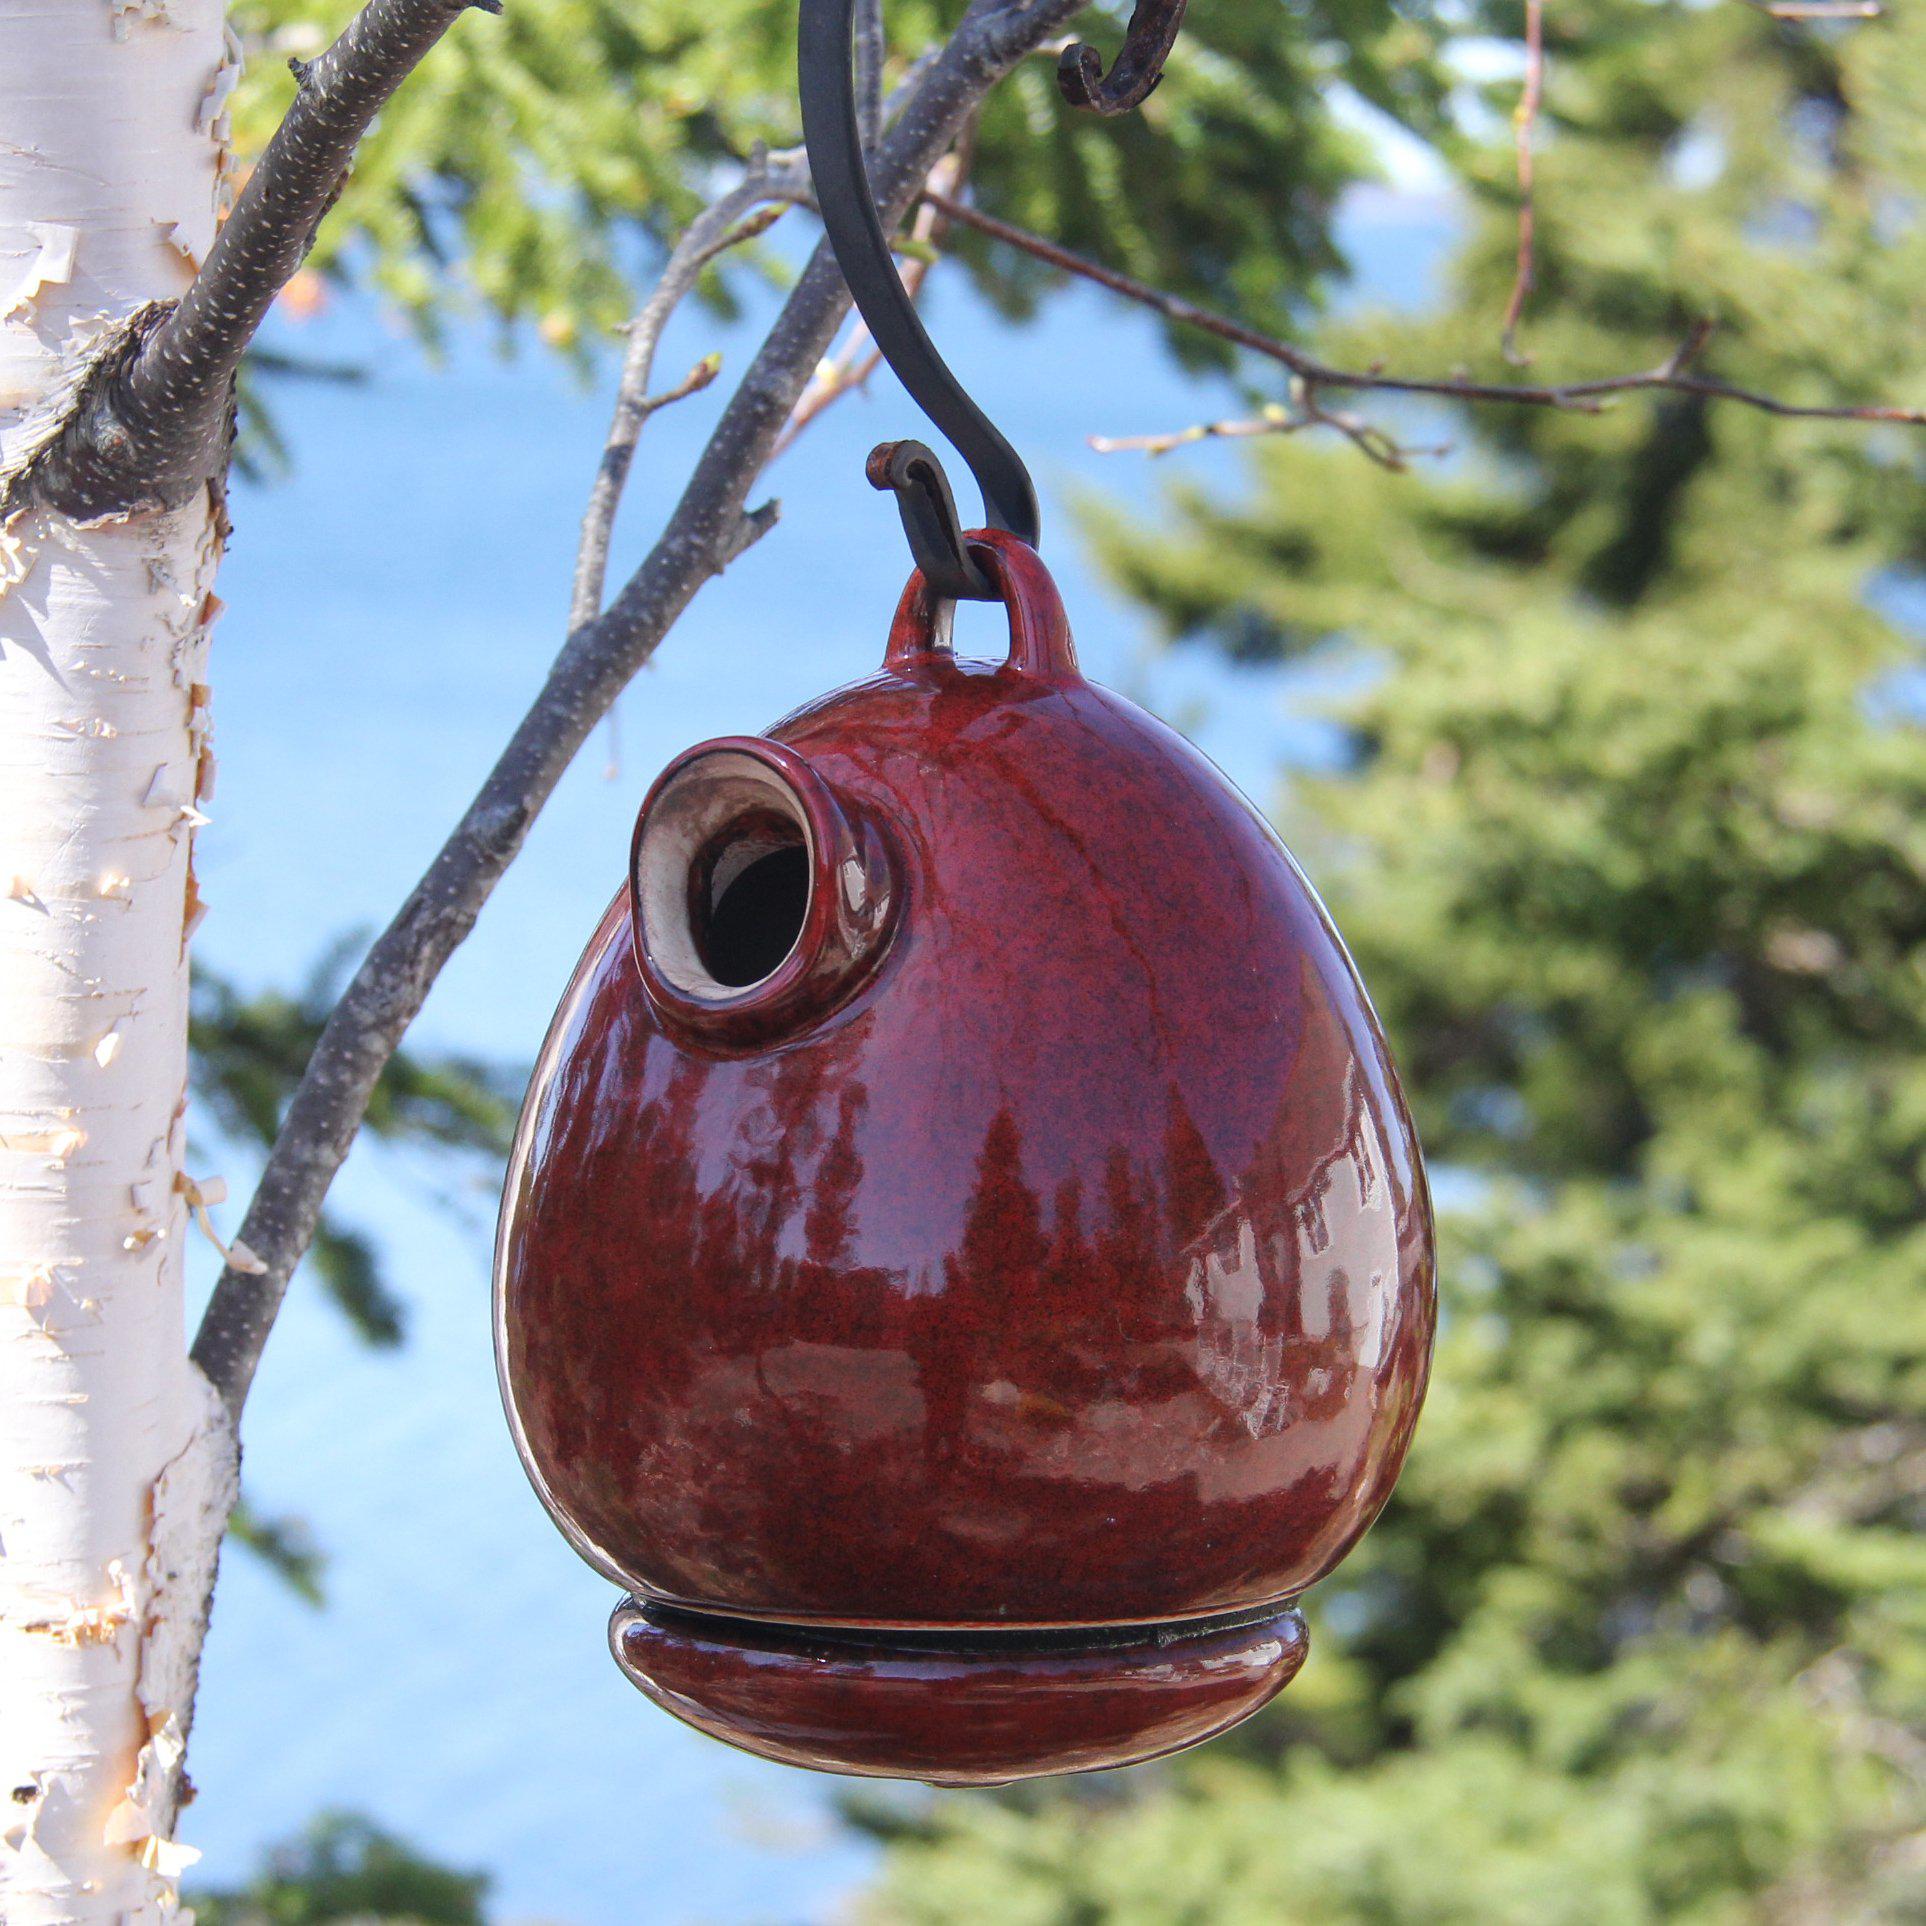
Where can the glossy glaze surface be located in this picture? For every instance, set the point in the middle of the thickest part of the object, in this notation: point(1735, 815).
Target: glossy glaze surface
point(953, 1718)
point(1073, 1266)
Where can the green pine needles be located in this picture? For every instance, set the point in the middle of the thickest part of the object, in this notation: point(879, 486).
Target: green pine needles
point(1628, 831)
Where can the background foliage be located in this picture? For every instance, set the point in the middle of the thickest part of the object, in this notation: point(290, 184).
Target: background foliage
point(536, 167)
point(1623, 816)
point(345, 1872)
point(1625, 819)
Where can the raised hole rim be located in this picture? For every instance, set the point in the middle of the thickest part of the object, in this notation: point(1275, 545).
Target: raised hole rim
point(708, 824)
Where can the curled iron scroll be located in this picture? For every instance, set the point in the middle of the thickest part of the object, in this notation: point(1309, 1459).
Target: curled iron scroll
point(1135, 72)
point(831, 133)
point(848, 206)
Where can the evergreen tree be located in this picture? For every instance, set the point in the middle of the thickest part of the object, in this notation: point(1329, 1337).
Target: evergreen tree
point(535, 171)
point(1626, 824)
point(343, 1871)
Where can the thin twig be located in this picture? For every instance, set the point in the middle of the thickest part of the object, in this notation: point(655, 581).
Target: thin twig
point(1585, 397)
point(750, 208)
point(746, 210)
point(155, 426)
point(845, 370)
point(848, 369)
point(709, 526)
point(1525, 124)
point(701, 376)
point(1375, 442)
point(1819, 9)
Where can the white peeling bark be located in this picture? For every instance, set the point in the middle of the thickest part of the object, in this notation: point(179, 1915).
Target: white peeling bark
point(116, 1467)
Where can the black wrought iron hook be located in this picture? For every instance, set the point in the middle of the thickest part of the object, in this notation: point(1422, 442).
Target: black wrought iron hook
point(1139, 66)
point(824, 47)
point(848, 205)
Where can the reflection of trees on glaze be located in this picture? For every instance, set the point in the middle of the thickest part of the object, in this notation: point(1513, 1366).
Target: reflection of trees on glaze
point(1286, 1321)
point(829, 1225)
point(1072, 1267)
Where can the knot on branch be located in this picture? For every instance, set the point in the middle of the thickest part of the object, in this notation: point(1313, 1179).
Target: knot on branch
point(151, 418)
point(94, 455)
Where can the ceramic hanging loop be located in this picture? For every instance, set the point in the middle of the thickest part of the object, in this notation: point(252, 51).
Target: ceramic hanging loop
point(848, 205)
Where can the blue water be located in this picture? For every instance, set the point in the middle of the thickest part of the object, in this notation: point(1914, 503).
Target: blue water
point(392, 608)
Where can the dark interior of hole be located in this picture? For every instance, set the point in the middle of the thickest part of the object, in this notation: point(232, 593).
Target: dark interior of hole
point(746, 926)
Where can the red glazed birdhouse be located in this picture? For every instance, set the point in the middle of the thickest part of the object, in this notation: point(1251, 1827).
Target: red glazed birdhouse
point(966, 1266)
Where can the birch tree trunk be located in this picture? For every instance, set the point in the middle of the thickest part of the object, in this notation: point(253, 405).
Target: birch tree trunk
point(116, 1466)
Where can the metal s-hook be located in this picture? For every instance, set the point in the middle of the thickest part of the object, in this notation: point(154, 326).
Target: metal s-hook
point(848, 206)
point(1139, 66)
point(824, 47)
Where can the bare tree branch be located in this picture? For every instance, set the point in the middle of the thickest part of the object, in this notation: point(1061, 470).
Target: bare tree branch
point(1375, 442)
point(727, 222)
point(845, 371)
point(706, 530)
point(593, 555)
point(153, 422)
point(748, 209)
point(872, 47)
point(1525, 122)
point(1673, 374)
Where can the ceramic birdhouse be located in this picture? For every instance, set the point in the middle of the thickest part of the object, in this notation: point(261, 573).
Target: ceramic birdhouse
point(966, 1266)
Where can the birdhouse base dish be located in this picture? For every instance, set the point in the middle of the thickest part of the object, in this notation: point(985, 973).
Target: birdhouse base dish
point(957, 1707)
